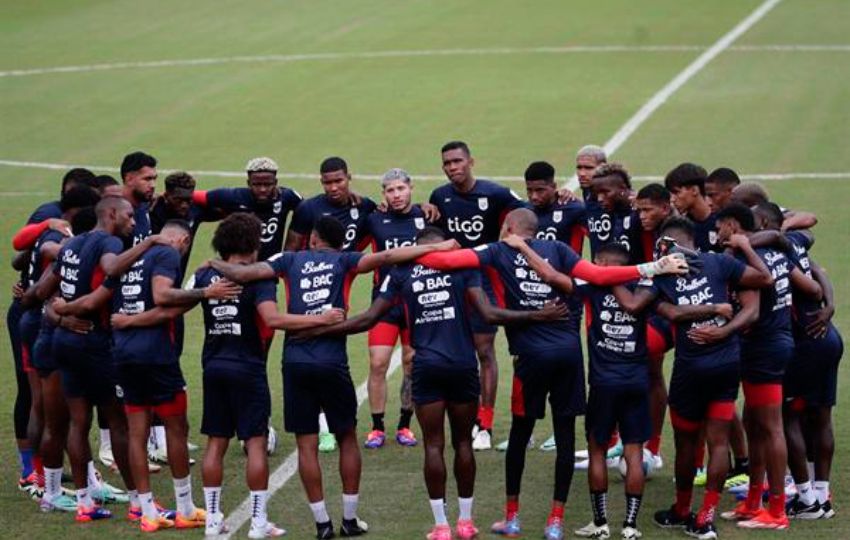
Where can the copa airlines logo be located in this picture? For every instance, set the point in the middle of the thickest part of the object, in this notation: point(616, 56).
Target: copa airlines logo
point(601, 227)
point(471, 229)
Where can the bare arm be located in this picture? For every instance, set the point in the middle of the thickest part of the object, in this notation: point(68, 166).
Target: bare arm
point(166, 295)
point(152, 317)
point(115, 265)
point(353, 325)
point(799, 220)
point(84, 305)
point(819, 324)
point(691, 312)
point(749, 300)
point(756, 275)
point(286, 321)
point(20, 260)
point(770, 238)
point(544, 270)
point(294, 241)
point(806, 285)
point(399, 255)
point(501, 316)
point(242, 273)
point(633, 302)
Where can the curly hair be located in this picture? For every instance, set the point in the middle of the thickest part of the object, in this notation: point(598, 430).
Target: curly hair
point(613, 169)
point(237, 234)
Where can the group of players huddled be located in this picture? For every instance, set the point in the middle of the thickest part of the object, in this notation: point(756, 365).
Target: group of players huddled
point(703, 264)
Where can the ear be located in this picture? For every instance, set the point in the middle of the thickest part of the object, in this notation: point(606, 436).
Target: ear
point(471, 161)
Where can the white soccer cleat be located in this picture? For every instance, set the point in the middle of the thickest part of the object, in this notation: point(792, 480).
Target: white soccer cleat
point(482, 441)
point(269, 531)
point(630, 533)
point(215, 524)
point(592, 530)
point(581, 454)
point(582, 465)
point(549, 445)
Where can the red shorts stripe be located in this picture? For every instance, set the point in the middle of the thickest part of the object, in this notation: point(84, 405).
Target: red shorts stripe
point(656, 345)
point(26, 360)
point(517, 398)
point(683, 424)
point(762, 395)
point(721, 410)
point(178, 406)
point(384, 334)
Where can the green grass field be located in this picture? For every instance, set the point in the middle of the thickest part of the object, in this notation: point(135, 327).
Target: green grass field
point(384, 84)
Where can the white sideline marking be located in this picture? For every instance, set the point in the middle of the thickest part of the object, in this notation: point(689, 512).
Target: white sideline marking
point(496, 51)
point(289, 467)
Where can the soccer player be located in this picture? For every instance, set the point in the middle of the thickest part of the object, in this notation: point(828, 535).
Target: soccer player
point(752, 194)
point(315, 371)
point(704, 384)
point(138, 173)
point(610, 217)
point(766, 350)
point(719, 186)
point(264, 198)
point(85, 360)
point(471, 212)
point(686, 183)
point(396, 227)
point(588, 158)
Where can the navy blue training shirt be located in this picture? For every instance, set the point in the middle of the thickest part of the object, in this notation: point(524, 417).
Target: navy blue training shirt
point(353, 218)
point(391, 230)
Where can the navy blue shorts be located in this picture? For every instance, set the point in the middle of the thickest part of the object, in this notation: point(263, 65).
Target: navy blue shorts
point(86, 365)
point(558, 375)
point(693, 390)
point(432, 383)
point(13, 325)
point(813, 373)
point(309, 389)
point(618, 407)
point(765, 361)
point(28, 327)
point(476, 321)
point(148, 385)
point(236, 403)
point(42, 352)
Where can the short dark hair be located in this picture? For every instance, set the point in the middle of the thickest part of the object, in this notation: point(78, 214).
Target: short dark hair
point(654, 192)
point(724, 176)
point(540, 170)
point(686, 175)
point(740, 213)
point(77, 175)
point(613, 248)
point(84, 220)
point(772, 212)
point(333, 163)
point(614, 170)
point(78, 196)
point(331, 231)
point(181, 224)
point(136, 161)
point(456, 145)
point(179, 180)
point(102, 181)
point(430, 233)
point(238, 234)
point(677, 223)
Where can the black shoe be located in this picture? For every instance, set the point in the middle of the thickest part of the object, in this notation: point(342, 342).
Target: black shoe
point(828, 512)
point(706, 531)
point(797, 509)
point(353, 527)
point(324, 531)
point(669, 519)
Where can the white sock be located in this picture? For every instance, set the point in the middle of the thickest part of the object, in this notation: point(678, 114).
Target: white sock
point(105, 440)
point(349, 505)
point(160, 441)
point(52, 483)
point(807, 494)
point(183, 496)
point(134, 498)
point(91, 472)
point(323, 424)
point(84, 498)
point(148, 506)
point(151, 442)
point(822, 490)
point(811, 466)
point(438, 508)
point(212, 499)
point(465, 508)
point(259, 518)
point(320, 512)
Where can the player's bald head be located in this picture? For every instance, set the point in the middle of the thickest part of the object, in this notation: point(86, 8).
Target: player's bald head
point(750, 194)
point(521, 221)
point(769, 215)
point(109, 205)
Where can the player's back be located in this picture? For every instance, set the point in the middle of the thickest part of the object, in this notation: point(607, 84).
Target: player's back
point(773, 326)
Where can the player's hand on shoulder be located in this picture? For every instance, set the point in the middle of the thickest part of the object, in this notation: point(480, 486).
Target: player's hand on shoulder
point(565, 196)
point(447, 245)
point(432, 213)
point(514, 241)
point(223, 289)
point(354, 198)
point(738, 241)
point(675, 263)
point(552, 310)
point(159, 240)
point(383, 207)
point(60, 225)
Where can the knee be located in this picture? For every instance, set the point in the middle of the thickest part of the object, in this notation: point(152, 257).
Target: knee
point(378, 367)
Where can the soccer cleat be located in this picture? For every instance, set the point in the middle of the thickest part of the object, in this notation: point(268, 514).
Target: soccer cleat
point(158, 455)
point(482, 441)
point(465, 529)
point(215, 525)
point(706, 531)
point(701, 477)
point(267, 531)
point(509, 528)
point(60, 503)
point(630, 533)
point(795, 508)
point(353, 527)
point(766, 520)
point(549, 445)
point(736, 480)
point(197, 519)
point(324, 531)
point(375, 439)
point(554, 529)
point(152, 525)
point(582, 454)
point(657, 463)
point(615, 451)
point(592, 530)
point(95, 513)
point(405, 437)
point(740, 489)
point(502, 446)
point(582, 465)
point(192, 446)
point(30, 486)
point(828, 512)
point(108, 493)
point(668, 519)
point(741, 512)
point(327, 442)
point(439, 532)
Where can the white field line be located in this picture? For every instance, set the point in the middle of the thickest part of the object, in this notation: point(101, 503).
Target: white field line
point(289, 467)
point(495, 51)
